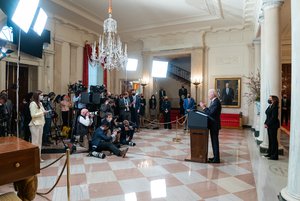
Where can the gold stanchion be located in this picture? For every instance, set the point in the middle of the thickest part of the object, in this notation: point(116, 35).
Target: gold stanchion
point(177, 139)
point(68, 175)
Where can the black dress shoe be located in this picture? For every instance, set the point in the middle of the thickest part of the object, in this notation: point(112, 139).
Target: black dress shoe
point(211, 159)
point(214, 161)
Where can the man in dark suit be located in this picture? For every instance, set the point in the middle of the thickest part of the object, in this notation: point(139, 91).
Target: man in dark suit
point(214, 124)
point(162, 94)
point(285, 109)
point(227, 95)
point(182, 93)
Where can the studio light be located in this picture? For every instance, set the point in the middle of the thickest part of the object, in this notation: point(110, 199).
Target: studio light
point(132, 65)
point(24, 13)
point(40, 22)
point(159, 69)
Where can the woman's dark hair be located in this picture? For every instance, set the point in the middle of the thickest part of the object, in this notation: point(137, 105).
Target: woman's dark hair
point(275, 100)
point(28, 97)
point(57, 99)
point(35, 97)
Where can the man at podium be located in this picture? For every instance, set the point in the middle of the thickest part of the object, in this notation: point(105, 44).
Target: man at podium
point(214, 124)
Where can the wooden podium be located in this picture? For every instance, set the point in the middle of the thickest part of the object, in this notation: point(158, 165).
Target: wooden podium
point(197, 123)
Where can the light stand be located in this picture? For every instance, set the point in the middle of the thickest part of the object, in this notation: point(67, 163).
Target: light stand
point(18, 75)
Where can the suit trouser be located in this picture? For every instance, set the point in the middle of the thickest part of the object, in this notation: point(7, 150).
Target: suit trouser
point(108, 146)
point(167, 118)
point(37, 135)
point(214, 136)
point(273, 142)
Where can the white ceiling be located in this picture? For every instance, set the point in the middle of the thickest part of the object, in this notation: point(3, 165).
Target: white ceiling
point(142, 18)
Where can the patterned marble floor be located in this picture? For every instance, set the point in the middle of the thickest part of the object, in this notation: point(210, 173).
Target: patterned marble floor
point(155, 170)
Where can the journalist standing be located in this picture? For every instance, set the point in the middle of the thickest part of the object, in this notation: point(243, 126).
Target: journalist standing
point(37, 122)
point(272, 124)
point(214, 123)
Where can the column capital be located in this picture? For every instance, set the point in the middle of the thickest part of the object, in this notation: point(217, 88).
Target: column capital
point(272, 3)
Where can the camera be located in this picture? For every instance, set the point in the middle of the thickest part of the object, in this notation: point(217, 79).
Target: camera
point(77, 87)
point(96, 113)
point(98, 89)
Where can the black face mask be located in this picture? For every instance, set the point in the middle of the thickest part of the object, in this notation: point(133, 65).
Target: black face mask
point(269, 101)
point(133, 94)
point(188, 96)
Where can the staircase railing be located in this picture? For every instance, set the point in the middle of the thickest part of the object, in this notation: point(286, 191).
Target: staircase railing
point(179, 73)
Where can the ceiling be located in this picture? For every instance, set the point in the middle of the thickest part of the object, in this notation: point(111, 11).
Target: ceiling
point(143, 18)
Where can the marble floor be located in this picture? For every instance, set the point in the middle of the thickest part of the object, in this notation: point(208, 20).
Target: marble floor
point(155, 170)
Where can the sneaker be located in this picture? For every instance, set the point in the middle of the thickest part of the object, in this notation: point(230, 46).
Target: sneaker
point(131, 144)
point(123, 152)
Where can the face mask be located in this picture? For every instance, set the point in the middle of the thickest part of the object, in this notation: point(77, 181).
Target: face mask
point(152, 97)
point(188, 96)
point(269, 101)
point(133, 94)
point(109, 119)
point(41, 97)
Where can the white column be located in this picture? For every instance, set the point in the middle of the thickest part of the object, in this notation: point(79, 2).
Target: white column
point(271, 77)
point(66, 67)
point(292, 191)
point(263, 95)
point(257, 64)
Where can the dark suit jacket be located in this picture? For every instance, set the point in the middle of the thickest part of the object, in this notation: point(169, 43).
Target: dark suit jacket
point(227, 98)
point(272, 120)
point(182, 92)
point(214, 112)
point(162, 93)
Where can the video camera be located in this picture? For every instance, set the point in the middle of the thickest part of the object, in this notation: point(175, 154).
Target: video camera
point(98, 89)
point(77, 87)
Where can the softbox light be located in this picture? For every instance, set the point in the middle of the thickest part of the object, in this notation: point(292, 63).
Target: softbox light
point(24, 13)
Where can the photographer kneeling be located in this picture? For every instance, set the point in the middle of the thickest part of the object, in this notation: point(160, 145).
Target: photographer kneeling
point(127, 132)
point(84, 120)
point(103, 142)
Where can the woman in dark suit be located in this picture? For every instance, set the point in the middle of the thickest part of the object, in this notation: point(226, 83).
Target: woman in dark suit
point(272, 124)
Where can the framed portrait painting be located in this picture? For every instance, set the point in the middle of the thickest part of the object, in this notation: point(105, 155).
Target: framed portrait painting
point(229, 91)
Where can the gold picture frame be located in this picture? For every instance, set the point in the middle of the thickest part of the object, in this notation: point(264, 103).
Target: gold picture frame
point(229, 96)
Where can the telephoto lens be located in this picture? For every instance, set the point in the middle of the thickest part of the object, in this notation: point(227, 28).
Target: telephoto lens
point(98, 154)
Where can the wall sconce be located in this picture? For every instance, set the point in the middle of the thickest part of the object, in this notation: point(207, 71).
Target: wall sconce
point(144, 82)
point(196, 81)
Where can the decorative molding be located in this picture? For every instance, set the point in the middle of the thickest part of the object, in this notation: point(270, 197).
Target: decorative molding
point(74, 26)
point(267, 4)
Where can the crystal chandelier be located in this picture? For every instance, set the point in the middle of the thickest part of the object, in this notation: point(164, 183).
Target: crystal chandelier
point(109, 52)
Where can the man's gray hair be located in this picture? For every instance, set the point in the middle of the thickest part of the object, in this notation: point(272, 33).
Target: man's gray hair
point(212, 91)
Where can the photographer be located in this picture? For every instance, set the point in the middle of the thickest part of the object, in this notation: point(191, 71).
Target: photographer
point(101, 141)
point(106, 107)
point(78, 105)
point(4, 116)
point(84, 120)
point(127, 132)
point(48, 117)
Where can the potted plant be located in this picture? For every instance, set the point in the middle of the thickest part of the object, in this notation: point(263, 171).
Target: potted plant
point(253, 83)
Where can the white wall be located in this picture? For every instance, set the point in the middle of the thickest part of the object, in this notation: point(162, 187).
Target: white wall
point(230, 55)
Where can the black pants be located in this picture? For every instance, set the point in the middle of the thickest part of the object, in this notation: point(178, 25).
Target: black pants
point(108, 146)
point(124, 135)
point(214, 136)
point(167, 118)
point(65, 118)
point(284, 117)
point(273, 142)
